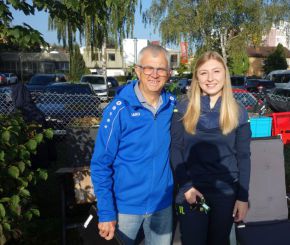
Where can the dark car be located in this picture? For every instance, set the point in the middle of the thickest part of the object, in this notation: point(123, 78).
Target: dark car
point(279, 99)
point(238, 82)
point(259, 85)
point(183, 84)
point(39, 81)
point(113, 86)
point(61, 102)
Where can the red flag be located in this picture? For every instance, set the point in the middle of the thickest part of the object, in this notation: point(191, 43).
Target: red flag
point(184, 52)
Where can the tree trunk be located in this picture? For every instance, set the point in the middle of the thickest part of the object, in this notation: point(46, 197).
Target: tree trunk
point(223, 42)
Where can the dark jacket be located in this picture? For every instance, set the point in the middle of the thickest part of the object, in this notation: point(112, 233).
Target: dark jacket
point(209, 157)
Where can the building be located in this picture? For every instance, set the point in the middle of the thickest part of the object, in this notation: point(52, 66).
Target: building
point(257, 55)
point(279, 33)
point(25, 64)
point(120, 62)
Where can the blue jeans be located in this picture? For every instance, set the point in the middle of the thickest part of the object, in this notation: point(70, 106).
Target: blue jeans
point(157, 227)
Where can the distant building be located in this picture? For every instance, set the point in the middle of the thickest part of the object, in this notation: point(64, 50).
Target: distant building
point(279, 33)
point(120, 63)
point(257, 56)
point(25, 64)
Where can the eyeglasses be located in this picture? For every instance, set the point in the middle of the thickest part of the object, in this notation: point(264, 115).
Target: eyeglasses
point(148, 70)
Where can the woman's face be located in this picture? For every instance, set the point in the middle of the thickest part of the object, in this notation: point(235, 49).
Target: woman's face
point(211, 77)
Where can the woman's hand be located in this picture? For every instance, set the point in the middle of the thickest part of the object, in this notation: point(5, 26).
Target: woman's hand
point(191, 195)
point(240, 210)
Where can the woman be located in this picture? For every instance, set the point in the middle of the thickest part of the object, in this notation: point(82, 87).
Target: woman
point(210, 154)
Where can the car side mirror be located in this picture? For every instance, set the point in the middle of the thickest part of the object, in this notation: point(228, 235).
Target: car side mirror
point(109, 84)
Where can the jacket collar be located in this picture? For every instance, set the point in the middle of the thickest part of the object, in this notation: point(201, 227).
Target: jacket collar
point(128, 94)
point(205, 104)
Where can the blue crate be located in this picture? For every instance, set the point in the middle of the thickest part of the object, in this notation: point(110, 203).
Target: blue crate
point(261, 126)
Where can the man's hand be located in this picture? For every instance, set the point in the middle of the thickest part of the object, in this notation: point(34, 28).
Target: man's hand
point(240, 210)
point(107, 229)
point(191, 195)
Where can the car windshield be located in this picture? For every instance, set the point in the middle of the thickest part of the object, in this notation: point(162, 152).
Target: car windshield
point(237, 81)
point(93, 80)
point(41, 80)
point(71, 89)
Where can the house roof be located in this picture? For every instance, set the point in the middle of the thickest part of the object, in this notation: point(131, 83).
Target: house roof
point(263, 52)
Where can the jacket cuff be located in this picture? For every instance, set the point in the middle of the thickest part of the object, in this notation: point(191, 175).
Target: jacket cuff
point(243, 196)
point(107, 217)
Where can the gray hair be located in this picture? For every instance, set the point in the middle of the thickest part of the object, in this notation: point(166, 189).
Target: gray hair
point(154, 50)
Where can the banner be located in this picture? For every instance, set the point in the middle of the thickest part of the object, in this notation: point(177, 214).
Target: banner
point(184, 52)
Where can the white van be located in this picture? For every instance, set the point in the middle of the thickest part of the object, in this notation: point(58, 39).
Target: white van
point(279, 77)
point(99, 83)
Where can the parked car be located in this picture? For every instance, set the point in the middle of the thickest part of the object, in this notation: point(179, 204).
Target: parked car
point(39, 81)
point(63, 101)
point(259, 85)
point(183, 85)
point(3, 79)
point(238, 82)
point(99, 83)
point(279, 99)
point(11, 78)
point(113, 86)
point(279, 77)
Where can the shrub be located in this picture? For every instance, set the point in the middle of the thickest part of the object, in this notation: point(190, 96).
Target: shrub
point(18, 141)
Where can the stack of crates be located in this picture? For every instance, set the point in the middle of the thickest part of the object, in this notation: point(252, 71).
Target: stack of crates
point(281, 126)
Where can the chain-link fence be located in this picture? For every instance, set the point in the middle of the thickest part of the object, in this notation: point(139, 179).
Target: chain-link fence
point(67, 110)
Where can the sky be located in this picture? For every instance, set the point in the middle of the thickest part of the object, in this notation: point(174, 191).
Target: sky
point(39, 21)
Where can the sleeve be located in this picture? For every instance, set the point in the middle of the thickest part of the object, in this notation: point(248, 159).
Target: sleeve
point(243, 140)
point(181, 175)
point(105, 151)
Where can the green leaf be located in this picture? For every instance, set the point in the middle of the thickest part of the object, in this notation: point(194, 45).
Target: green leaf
point(6, 226)
point(31, 145)
point(2, 155)
point(28, 215)
point(5, 199)
point(48, 133)
point(16, 210)
point(14, 200)
point(5, 136)
point(2, 211)
point(13, 172)
point(24, 154)
point(43, 174)
point(21, 166)
point(35, 212)
point(39, 138)
point(24, 193)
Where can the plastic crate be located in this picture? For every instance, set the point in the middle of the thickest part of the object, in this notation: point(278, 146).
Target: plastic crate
point(281, 126)
point(261, 126)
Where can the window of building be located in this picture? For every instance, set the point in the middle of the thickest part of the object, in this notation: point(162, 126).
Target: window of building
point(173, 58)
point(111, 57)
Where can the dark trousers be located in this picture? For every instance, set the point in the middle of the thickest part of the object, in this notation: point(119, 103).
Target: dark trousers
point(213, 227)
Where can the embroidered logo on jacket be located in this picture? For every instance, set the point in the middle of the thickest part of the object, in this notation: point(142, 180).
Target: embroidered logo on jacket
point(135, 114)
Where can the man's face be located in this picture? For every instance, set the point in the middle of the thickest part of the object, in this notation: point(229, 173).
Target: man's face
point(153, 72)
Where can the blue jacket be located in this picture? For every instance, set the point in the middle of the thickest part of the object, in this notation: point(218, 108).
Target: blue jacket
point(209, 157)
point(130, 167)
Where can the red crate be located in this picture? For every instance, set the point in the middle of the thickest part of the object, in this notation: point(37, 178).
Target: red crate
point(281, 126)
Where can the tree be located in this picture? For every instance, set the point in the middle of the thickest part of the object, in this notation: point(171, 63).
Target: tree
point(276, 60)
point(78, 66)
point(214, 24)
point(25, 37)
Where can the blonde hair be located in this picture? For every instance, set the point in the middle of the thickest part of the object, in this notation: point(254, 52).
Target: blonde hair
point(229, 111)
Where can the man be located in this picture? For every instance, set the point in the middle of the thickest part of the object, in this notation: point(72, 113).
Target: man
point(130, 166)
